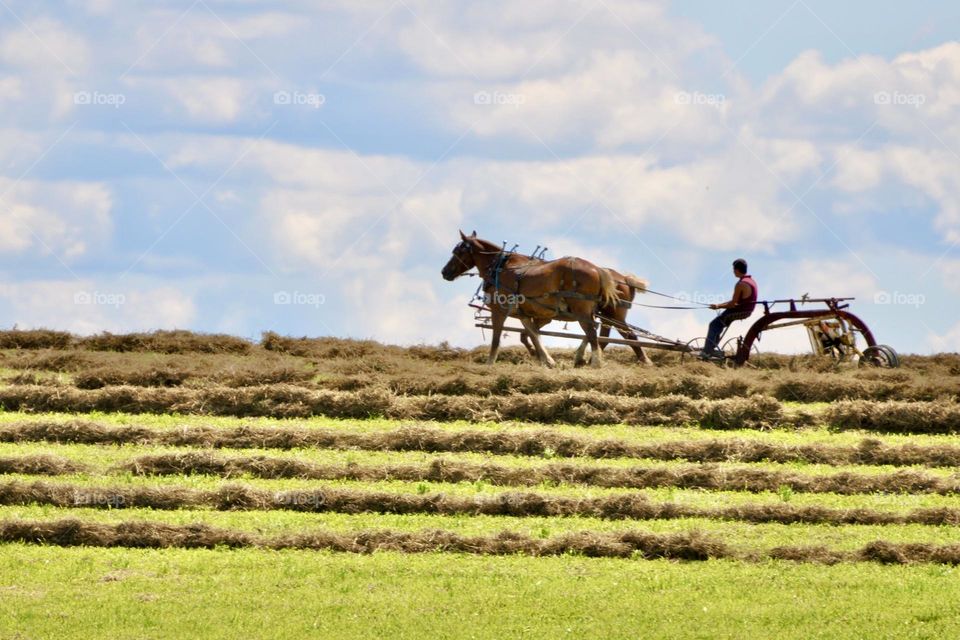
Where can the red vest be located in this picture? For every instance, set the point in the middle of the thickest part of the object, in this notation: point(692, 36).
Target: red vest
point(748, 305)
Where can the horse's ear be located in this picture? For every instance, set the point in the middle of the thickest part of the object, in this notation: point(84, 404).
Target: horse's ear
point(474, 235)
point(462, 236)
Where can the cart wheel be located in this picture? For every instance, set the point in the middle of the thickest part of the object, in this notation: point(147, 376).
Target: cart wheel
point(694, 347)
point(730, 349)
point(893, 356)
point(880, 355)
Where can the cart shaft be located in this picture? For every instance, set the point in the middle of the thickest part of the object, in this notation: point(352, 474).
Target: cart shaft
point(601, 339)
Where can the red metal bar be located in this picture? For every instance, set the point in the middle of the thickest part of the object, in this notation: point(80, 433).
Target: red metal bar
point(769, 318)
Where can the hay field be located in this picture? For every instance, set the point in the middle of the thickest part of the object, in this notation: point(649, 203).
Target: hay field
point(175, 484)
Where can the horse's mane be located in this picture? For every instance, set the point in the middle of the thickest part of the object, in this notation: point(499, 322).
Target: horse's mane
point(487, 245)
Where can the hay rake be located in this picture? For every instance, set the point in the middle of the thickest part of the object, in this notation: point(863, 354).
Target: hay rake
point(833, 332)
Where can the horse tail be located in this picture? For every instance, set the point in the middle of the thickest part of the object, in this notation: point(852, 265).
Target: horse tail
point(609, 296)
point(636, 283)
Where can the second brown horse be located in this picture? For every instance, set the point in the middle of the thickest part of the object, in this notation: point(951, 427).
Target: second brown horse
point(535, 292)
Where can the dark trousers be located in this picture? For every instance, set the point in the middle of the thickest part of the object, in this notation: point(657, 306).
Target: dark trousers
point(718, 324)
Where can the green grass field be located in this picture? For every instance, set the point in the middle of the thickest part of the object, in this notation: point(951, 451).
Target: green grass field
point(80, 558)
point(126, 593)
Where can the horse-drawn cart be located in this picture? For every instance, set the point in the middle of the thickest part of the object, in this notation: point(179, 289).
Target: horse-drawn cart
point(833, 332)
point(538, 291)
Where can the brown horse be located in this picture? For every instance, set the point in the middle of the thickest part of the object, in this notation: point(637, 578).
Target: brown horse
point(627, 287)
point(535, 292)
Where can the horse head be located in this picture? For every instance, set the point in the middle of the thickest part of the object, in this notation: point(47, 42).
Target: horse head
point(462, 259)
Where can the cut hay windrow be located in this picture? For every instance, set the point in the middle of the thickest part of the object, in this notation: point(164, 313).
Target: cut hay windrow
point(166, 342)
point(170, 359)
point(41, 464)
point(100, 377)
point(789, 387)
point(156, 342)
point(636, 545)
point(34, 339)
point(92, 370)
point(632, 506)
point(895, 417)
point(708, 477)
point(89, 372)
point(286, 401)
point(533, 443)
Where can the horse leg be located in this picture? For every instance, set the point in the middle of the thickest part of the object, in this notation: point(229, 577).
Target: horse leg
point(525, 341)
point(497, 319)
point(604, 333)
point(590, 329)
point(642, 356)
point(578, 356)
point(525, 338)
point(534, 330)
point(628, 334)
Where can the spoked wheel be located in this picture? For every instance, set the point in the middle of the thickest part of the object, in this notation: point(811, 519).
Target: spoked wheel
point(880, 355)
point(731, 346)
point(694, 347)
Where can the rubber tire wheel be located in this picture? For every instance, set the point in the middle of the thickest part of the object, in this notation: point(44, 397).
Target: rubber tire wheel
point(892, 355)
point(880, 355)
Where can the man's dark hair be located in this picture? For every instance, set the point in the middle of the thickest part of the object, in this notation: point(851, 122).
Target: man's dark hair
point(740, 265)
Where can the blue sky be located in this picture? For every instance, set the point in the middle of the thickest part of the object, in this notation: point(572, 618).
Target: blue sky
point(200, 164)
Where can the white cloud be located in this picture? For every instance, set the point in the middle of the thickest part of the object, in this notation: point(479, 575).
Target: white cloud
point(42, 45)
point(172, 40)
point(502, 39)
point(86, 306)
point(409, 308)
point(722, 202)
point(324, 230)
point(204, 99)
point(949, 341)
point(950, 270)
point(909, 96)
point(820, 278)
point(932, 173)
point(292, 165)
point(65, 218)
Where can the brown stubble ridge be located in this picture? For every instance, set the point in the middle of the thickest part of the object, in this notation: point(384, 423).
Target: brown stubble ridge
point(708, 477)
point(629, 506)
point(530, 442)
point(690, 546)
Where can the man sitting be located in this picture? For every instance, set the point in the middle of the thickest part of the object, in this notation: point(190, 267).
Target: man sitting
point(737, 308)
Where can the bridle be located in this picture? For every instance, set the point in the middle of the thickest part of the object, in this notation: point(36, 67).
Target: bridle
point(458, 250)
